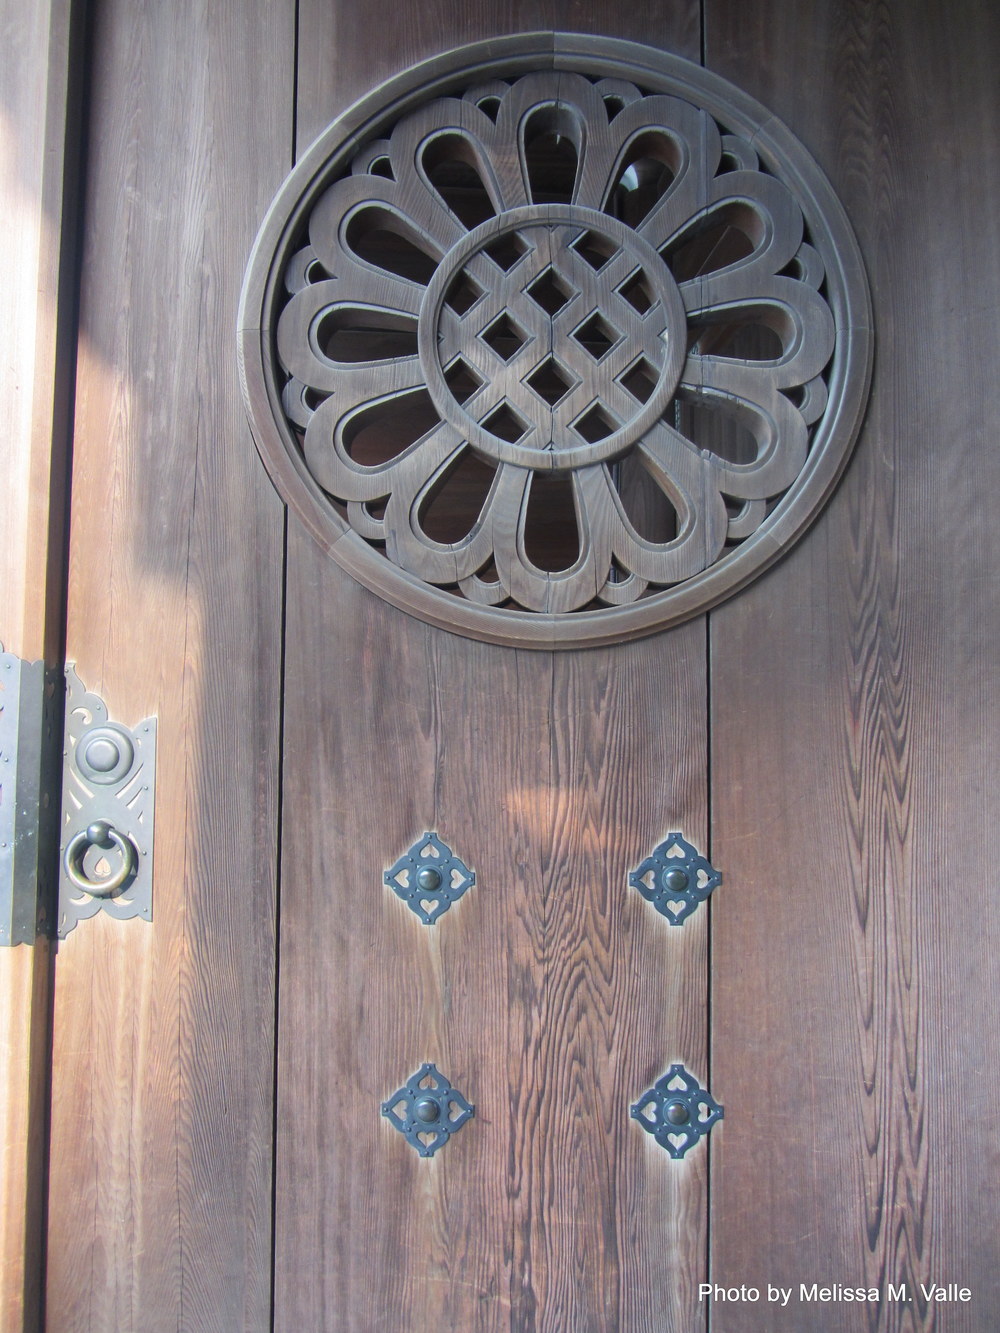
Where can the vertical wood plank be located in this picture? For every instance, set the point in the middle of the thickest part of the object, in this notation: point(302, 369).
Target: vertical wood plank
point(853, 703)
point(551, 995)
point(37, 162)
point(162, 1085)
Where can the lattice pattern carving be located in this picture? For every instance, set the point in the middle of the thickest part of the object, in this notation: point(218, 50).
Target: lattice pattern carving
point(555, 344)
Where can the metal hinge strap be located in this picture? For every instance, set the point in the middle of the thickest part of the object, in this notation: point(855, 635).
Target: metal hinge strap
point(28, 714)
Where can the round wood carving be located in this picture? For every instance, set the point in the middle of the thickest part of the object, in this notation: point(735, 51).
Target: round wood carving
point(556, 341)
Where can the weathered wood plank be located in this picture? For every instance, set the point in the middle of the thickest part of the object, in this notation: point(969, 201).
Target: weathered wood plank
point(339, 61)
point(37, 180)
point(162, 1096)
point(853, 1023)
point(551, 995)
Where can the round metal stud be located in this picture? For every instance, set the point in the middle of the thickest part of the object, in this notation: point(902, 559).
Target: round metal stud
point(677, 1113)
point(99, 833)
point(428, 879)
point(427, 1110)
point(676, 880)
point(105, 754)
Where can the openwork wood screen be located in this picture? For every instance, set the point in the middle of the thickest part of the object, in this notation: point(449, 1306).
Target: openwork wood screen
point(555, 356)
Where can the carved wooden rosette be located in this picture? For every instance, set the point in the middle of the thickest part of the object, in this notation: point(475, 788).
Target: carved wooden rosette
point(636, 287)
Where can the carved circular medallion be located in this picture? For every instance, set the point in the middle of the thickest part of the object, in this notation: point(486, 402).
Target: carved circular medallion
point(556, 342)
point(551, 337)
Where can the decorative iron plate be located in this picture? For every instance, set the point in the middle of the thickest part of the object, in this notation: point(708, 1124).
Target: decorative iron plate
point(677, 1111)
point(427, 1110)
point(109, 802)
point(429, 878)
point(544, 267)
point(676, 878)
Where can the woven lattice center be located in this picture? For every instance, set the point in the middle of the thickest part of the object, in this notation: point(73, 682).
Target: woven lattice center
point(574, 327)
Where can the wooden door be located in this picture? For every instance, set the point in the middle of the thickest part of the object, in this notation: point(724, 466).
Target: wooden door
point(218, 1159)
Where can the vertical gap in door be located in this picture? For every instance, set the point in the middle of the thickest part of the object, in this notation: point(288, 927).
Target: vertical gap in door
point(709, 852)
point(295, 85)
point(701, 16)
point(281, 759)
point(277, 901)
point(67, 335)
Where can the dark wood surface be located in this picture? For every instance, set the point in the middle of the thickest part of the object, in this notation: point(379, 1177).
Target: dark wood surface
point(551, 994)
point(853, 704)
point(160, 1204)
point(328, 83)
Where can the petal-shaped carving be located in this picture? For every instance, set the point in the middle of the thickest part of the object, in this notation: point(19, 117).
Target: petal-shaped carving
point(747, 520)
point(773, 222)
point(372, 160)
point(295, 399)
point(738, 154)
point(748, 392)
point(689, 135)
point(690, 481)
point(620, 591)
point(581, 111)
point(324, 447)
point(484, 592)
point(534, 588)
point(450, 116)
point(407, 543)
point(298, 346)
point(300, 353)
point(303, 268)
point(411, 205)
point(806, 325)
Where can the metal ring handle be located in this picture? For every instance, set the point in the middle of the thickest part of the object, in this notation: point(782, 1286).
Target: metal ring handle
point(97, 834)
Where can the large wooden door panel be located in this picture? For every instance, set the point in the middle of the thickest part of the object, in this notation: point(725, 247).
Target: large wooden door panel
point(853, 972)
point(218, 1157)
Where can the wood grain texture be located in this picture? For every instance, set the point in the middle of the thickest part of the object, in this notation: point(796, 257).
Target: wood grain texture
point(37, 163)
point(160, 1207)
point(854, 701)
point(550, 995)
point(330, 84)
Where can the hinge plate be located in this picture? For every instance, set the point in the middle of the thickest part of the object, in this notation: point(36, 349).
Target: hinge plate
point(109, 780)
point(28, 712)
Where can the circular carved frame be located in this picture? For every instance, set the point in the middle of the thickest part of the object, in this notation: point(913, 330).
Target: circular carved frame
point(563, 310)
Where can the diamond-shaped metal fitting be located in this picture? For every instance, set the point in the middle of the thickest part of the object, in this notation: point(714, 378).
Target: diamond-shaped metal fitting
point(675, 879)
point(428, 1110)
point(677, 1111)
point(429, 878)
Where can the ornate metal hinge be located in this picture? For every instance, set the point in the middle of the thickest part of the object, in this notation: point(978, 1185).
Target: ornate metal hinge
point(29, 710)
point(106, 846)
point(107, 812)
